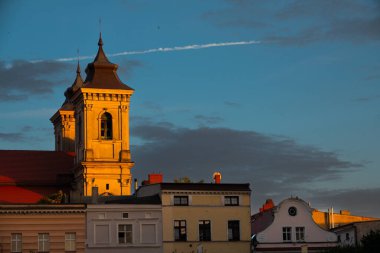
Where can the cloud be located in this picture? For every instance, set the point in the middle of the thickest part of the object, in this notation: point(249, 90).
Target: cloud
point(19, 79)
point(303, 21)
point(127, 66)
point(208, 120)
point(275, 166)
point(231, 104)
point(367, 98)
point(12, 137)
point(162, 50)
point(364, 202)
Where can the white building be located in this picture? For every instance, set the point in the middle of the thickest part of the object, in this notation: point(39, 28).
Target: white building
point(289, 227)
point(130, 225)
point(351, 234)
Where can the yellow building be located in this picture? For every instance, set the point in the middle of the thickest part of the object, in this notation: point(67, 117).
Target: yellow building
point(328, 220)
point(42, 228)
point(95, 120)
point(199, 217)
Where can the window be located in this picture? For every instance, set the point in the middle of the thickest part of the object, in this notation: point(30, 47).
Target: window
point(233, 230)
point(43, 242)
point(300, 234)
point(125, 215)
point(347, 236)
point(149, 233)
point(16, 242)
point(181, 200)
point(70, 239)
point(125, 233)
point(287, 234)
point(107, 187)
point(180, 230)
point(204, 230)
point(102, 234)
point(231, 200)
point(106, 126)
point(339, 240)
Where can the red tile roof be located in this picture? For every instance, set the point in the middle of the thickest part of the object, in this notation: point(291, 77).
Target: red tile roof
point(26, 176)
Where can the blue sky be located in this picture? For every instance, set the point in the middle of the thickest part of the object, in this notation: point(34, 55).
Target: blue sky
point(296, 113)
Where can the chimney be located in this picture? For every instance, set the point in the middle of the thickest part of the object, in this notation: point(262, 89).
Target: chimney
point(217, 177)
point(155, 178)
point(136, 185)
point(95, 195)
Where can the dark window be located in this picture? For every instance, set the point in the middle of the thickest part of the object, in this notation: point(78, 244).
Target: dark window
point(300, 234)
point(339, 240)
point(231, 200)
point(125, 215)
point(287, 234)
point(125, 233)
point(107, 187)
point(204, 230)
point(233, 230)
point(181, 200)
point(180, 230)
point(347, 236)
point(106, 126)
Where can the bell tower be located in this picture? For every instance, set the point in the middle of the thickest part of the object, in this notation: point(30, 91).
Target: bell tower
point(64, 120)
point(101, 109)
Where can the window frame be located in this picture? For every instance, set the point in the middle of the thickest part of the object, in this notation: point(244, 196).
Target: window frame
point(44, 241)
point(71, 241)
point(300, 234)
point(234, 227)
point(286, 234)
point(205, 230)
point(179, 227)
point(229, 201)
point(181, 202)
point(106, 126)
point(17, 239)
point(125, 234)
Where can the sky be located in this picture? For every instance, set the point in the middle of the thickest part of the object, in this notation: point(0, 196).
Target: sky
point(284, 95)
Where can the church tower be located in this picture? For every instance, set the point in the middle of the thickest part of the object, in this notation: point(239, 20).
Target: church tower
point(64, 120)
point(100, 106)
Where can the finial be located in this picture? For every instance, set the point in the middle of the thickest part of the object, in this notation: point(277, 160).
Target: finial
point(100, 43)
point(78, 66)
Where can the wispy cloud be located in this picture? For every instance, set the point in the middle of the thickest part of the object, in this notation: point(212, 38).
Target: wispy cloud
point(324, 20)
point(163, 50)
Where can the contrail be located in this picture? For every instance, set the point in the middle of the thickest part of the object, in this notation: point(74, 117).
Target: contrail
point(167, 49)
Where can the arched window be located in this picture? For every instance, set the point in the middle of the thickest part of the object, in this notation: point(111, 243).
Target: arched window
point(106, 126)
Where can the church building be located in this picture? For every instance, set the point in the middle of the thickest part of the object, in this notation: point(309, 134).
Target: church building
point(92, 149)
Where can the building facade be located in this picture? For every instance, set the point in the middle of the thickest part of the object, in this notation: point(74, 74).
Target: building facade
point(132, 225)
point(94, 122)
point(289, 227)
point(42, 228)
point(201, 217)
point(352, 233)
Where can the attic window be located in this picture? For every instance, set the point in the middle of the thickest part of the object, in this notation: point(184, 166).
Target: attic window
point(106, 126)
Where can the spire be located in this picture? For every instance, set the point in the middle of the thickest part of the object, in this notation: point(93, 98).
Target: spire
point(78, 69)
point(101, 73)
point(100, 42)
point(78, 83)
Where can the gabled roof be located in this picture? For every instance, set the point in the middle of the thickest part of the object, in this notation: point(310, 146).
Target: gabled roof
point(204, 187)
point(26, 176)
point(27, 167)
point(101, 73)
point(148, 200)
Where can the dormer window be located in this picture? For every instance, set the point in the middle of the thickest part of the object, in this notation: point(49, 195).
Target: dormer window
point(106, 126)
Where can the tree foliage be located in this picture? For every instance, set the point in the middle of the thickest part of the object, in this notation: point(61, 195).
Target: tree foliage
point(371, 242)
